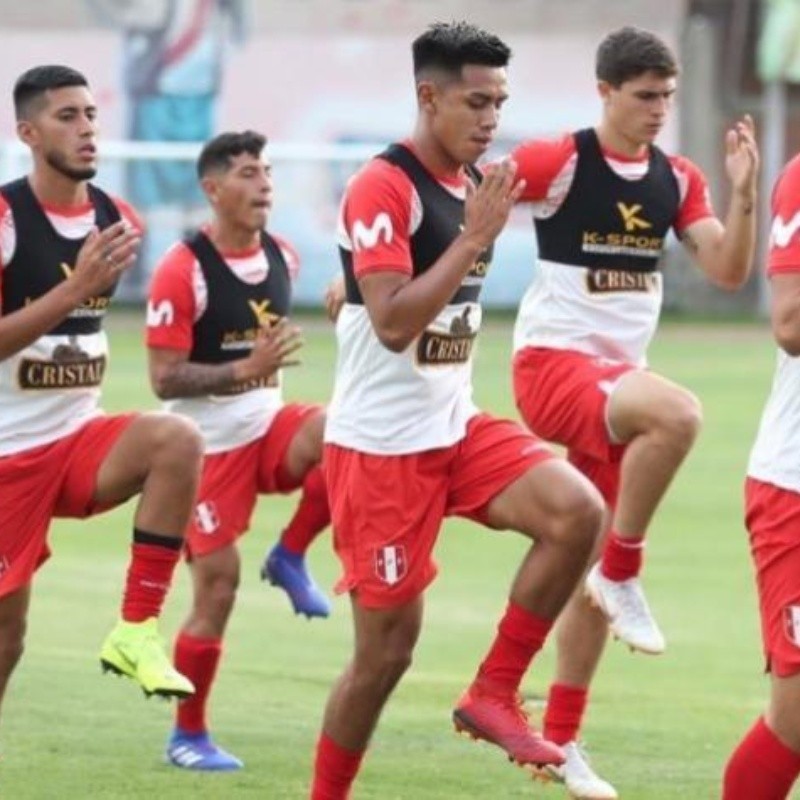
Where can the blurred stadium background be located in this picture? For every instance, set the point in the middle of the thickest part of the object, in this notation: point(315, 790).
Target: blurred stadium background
point(329, 82)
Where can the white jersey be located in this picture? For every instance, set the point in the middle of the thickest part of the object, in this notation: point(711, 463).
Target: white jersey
point(420, 399)
point(52, 387)
point(606, 313)
point(178, 299)
point(775, 457)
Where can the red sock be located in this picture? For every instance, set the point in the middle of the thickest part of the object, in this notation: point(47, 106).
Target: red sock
point(311, 516)
point(153, 560)
point(622, 557)
point(520, 636)
point(564, 713)
point(335, 769)
point(197, 659)
point(761, 768)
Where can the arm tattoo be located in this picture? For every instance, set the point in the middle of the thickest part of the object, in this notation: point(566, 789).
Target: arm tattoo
point(189, 379)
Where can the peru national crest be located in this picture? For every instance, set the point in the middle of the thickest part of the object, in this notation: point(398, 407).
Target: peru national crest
point(391, 564)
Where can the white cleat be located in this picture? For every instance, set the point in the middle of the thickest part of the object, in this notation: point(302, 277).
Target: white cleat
point(577, 775)
point(625, 607)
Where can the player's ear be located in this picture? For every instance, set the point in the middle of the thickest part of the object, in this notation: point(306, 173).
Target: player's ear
point(604, 90)
point(26, 132)
point(426, 95)
point(211, 189)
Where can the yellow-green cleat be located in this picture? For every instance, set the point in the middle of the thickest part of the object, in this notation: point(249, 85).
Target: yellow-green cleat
point(136, 650)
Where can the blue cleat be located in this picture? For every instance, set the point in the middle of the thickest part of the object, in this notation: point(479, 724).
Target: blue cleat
point(197, 751)
point(288, 570)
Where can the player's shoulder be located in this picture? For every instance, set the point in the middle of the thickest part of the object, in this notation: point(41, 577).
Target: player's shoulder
point(288, 251)
point(128, 212)
point(177, 263)
point(684, 165)
point(558, 146)
point(377, 177)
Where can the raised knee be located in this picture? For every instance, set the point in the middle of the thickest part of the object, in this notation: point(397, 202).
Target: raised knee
point(178, 439)
point(682, 419)
point(578, 520)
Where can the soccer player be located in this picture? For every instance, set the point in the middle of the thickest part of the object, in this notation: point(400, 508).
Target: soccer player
point(604, 200)
point(766, 762)
point(218, 337)
point(63, 245)
point(405, 446)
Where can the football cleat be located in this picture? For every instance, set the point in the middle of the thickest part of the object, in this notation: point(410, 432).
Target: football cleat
point(625, 606)
point(577, 775)
point(288, 570)
point(197, 751)
point(500, 720)
point(135, 649)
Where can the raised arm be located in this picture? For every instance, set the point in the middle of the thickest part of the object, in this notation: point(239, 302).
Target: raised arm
point(724, 252)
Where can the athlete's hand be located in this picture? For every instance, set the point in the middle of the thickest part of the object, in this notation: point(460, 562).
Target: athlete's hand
point(334, 298)
point(271, 351)
point(488, 205)
point(741, 157)
point(104, 256)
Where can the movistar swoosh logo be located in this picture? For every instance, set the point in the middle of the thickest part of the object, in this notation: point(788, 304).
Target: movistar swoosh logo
point(366, 236)
point(783, 232)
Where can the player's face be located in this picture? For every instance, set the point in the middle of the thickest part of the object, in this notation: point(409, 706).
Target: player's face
point(64, 131)
point(465, 113)
point(638, 109)
point(244, 193)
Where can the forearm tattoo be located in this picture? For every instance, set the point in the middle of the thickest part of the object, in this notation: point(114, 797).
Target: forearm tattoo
point(195, 380)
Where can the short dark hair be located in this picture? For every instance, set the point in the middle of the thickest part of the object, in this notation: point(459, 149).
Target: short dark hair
point(217, 153)
point(629, 52)
point(31, 86)
point(448, 46)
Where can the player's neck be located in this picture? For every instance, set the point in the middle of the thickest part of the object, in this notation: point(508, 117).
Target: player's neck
point(231, 238)
point(433, 156)
point(615, 142)
point(52, 188)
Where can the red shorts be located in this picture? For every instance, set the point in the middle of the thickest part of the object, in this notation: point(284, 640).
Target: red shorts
point(562, 396)
point(387, 510)
point(232, 480)
point(772, 516)
point(52, 480)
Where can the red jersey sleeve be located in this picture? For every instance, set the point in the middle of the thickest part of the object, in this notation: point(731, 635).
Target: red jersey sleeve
point(539, 161)
point(129, 214)
point(290, 254)
point(695, 197)
point(784, 242)
point(376, 214)
point(171, 301)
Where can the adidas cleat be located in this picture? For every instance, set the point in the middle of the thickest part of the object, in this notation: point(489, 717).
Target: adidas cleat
point(197, 751)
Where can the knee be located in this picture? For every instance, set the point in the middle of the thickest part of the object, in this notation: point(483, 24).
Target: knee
point(385, 665)
point(681, 419)
point(577, 520)
point(177, 440)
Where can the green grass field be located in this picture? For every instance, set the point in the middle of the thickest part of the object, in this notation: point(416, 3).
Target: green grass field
point(658, 728)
